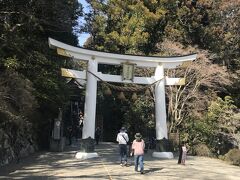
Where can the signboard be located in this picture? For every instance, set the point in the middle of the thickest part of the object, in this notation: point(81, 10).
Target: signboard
point(128, 71)
point(56, 129)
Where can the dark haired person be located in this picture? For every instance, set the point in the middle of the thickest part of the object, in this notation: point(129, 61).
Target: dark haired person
point(182, 153)
point(122, 139)
point(97, 135)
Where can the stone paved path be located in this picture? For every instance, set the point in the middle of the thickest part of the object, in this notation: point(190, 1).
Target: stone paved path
point(63, 165)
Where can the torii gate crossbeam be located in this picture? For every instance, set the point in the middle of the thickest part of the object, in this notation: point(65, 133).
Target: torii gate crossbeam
point(95, 57)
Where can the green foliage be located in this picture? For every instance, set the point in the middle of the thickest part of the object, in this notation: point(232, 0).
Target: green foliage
point(16, 107)
point(24, 54)
point(123, 26)
point(201, 150)
point(138, 26)
point(139, 117)
point(136, 116)
point(233, 156)
point(144, 27)
point(220, 114)
point(135, 27)
point(218, 129)
point(16, 93)
point(222, 34)
point(11, 63)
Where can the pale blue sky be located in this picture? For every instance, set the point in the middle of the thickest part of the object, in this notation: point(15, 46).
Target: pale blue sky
point(83, 37)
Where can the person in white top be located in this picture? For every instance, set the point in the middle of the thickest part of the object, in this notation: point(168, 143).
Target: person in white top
point(122, 139)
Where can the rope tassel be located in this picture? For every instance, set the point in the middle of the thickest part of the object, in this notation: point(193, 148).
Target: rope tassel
point(121, 96)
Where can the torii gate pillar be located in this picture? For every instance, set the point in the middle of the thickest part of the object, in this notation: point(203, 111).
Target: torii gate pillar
point(95, 57)
point(90, 102)
point(160, 104)
point(160, 115)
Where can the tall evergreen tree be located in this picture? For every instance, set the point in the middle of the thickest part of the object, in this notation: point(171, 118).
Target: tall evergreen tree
point(31, 68)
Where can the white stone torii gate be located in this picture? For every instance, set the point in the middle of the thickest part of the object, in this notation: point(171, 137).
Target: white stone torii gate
point(95, 57)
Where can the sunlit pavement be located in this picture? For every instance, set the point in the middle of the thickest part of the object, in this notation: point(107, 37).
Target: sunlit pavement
point(63, 165)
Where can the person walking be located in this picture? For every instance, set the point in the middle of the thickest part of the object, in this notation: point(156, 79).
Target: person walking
point(69, 135)
point(97, 135)
point(180, 153)
point(138, 146)
point(122, 139)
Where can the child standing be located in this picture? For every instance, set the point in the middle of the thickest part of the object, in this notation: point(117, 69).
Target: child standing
point(138, 146)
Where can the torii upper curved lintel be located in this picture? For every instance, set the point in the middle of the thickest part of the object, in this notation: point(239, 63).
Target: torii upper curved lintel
point(112, 58)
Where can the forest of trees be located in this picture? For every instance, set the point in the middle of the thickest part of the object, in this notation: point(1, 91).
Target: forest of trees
point(205, 111)
point(31, 87)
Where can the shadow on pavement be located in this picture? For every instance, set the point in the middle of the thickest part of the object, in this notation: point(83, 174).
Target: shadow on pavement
point(63, 165)
point(151, 170)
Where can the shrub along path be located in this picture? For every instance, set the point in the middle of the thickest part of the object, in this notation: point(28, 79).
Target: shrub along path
point(63, 165)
